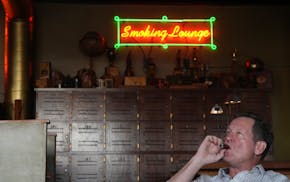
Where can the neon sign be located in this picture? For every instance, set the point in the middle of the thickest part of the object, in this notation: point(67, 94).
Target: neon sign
point(165, 32)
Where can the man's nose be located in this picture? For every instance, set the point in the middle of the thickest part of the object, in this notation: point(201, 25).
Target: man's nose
point(228, 137)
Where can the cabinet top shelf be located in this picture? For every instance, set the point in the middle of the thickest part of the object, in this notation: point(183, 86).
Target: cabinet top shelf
point(151, 88)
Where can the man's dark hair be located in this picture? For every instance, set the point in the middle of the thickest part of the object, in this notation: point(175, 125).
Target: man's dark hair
point(262, 131)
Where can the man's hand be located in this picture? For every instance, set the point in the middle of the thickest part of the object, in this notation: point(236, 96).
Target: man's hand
point(210, 151)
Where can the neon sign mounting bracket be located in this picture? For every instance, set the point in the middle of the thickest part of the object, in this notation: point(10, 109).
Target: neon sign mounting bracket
point(165, 32)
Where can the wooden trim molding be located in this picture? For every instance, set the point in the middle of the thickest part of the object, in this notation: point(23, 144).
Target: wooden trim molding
point(25, 121)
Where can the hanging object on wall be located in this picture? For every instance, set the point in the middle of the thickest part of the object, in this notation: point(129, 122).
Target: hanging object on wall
point(165, 32)
point(92, 45)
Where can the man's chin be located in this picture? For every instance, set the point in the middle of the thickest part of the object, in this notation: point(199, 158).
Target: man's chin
point(226, 158)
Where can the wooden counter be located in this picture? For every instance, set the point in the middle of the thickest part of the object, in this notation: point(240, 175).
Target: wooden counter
point(23, 150)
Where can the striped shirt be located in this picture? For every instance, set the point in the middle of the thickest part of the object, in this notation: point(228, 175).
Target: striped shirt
point(257, 174)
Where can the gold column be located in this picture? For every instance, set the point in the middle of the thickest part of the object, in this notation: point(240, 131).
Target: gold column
point(19, 70)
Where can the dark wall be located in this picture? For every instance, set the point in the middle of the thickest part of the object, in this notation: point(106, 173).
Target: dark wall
point(255, 30)
point(2, 113)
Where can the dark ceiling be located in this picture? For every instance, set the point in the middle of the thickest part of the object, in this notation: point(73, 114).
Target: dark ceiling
point(23, 8)
point(191, 2)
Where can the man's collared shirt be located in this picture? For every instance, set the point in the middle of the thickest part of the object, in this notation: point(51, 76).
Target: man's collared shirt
point(257, 174)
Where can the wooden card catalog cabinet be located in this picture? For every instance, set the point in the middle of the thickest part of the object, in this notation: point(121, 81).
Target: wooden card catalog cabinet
point(187, 106)
point(134, 134)
point(187, 119)
point(54, 106)
point(87, 137)
point(122, 167)
point(121, 105)
point(178, 161)
point(121, 121)
point(121, 136)
point(154, 106)
point(216, 123)
point(61, 129)
point(154, 110)
point(87, 167)
point(154, 167)
point(88, 106)
point(253, 99)
point(62, 167)
point(155, 136)
point(187, 135)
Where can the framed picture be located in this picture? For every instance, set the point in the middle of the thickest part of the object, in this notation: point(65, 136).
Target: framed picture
point(44, 70)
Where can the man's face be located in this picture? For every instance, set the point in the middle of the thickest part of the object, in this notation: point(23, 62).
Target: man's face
point(239, 137)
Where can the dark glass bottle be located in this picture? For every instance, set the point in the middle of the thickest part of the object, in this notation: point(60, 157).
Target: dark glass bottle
point(178, 68)
point(196, 67)
point(129, 69)
point(237, 69)
point(235, 64)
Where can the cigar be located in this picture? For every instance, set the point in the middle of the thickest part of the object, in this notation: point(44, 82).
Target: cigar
point(224, 146)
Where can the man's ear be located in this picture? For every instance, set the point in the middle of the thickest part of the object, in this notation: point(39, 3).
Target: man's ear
point(260, 147)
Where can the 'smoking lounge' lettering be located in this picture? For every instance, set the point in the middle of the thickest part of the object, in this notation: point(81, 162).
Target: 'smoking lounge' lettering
point(164, 32)
point(152, 32)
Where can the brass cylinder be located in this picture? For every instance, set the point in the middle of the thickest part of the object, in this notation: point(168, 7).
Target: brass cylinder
point(19, 69)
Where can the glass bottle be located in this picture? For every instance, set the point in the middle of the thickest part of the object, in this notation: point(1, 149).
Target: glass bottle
point(129, 69)
point(236, 67)
point(196, 67)
point(178, 69)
